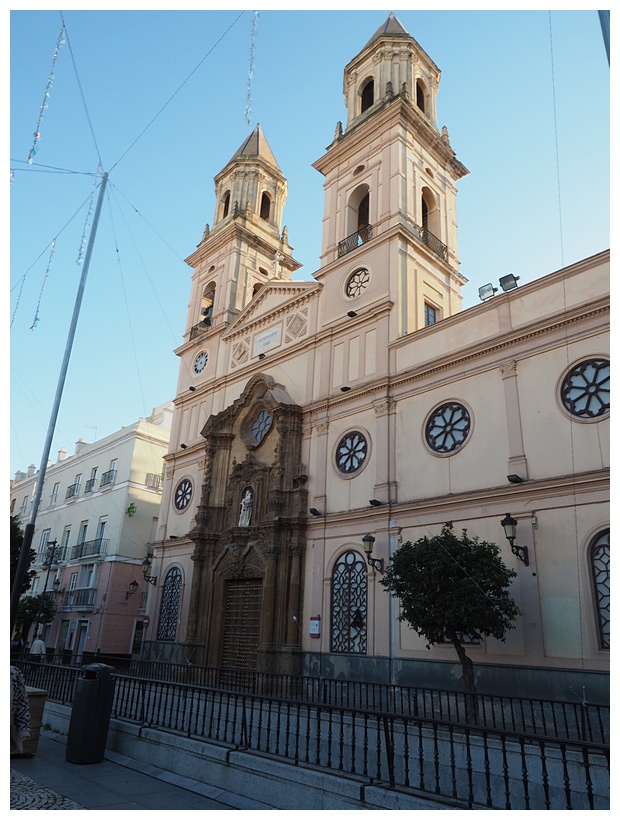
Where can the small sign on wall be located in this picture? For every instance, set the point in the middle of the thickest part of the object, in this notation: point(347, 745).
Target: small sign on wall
point(315, 626)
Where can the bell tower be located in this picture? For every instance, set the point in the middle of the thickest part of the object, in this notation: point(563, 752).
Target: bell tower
point(390, 185)
point(246, 247)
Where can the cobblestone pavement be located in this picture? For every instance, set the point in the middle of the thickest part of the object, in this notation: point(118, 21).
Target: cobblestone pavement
point(26, 794)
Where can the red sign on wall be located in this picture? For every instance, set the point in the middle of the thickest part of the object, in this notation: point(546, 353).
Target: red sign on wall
point(146, 621)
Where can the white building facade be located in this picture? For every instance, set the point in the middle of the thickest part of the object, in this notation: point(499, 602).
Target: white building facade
point(98, 512)
point(309, 414)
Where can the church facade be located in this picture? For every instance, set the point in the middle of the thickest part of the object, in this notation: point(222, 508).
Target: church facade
point(317, 422)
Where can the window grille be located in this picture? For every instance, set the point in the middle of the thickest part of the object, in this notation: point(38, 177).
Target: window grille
point(170, 601)
point(349, 604)
point(599, 558)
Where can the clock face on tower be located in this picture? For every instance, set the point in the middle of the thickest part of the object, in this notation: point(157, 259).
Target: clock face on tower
point(200, 362)
point(183, 494)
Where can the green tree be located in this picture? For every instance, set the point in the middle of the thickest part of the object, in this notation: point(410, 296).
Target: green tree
point(17, 538)
point(449, 587)
point(35, 609)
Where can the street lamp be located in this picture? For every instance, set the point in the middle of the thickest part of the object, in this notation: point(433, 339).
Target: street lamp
point(146, 566)
point(369, 542)
point(510, 530)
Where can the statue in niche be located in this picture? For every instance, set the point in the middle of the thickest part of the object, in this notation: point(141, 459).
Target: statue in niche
point(246, 509)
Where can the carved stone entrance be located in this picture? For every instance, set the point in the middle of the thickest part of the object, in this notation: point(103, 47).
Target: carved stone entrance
point(250, 535)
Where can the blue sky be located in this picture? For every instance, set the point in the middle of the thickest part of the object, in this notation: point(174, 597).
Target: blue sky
point(161, 98)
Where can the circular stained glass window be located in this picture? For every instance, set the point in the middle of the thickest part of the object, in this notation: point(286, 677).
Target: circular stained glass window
point(351, 452)
point(448, 427)
point(585, 389)
point(357, 282)
point(183, 494)
point(261, 425)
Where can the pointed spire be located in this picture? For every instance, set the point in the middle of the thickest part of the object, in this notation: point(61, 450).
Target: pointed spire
point(392, 27)
point(256, 146)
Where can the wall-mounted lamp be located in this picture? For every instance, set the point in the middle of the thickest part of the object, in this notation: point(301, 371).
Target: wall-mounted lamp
point(374, 502)
point(369, 542)
point(146, 566)
point(172, 537)
point(510, 530)
point(352, 314)
point(508, 282)
point(314, 511)
point(514, 478)
point(133, 587)
point(486, 292)
point(191, 388)
point(345, 389)
point(261, 355)
point(131, 509)
point(56, 587)
point(183, 446)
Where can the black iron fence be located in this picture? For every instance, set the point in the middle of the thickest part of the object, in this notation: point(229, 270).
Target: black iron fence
point(571, 720)
point(423, 747)
point(472, 765)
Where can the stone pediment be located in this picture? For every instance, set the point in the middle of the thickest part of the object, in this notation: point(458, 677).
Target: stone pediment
point(275, 298)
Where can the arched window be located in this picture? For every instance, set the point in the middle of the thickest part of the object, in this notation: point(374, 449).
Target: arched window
point(430, 213)
point(170, 602)
point(359, 229)
point(206, 304)
point(349, 604)
point(225, 204)
point(599, 567)
point(265, 207)
point(367, 95)
point(419, 96)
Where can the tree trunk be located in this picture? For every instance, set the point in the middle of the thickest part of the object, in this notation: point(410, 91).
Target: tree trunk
point(469, 681)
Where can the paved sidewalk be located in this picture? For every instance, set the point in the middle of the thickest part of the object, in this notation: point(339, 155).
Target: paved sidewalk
point(49, 781)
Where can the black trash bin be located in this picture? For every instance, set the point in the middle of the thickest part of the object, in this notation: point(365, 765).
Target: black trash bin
point(90, 715)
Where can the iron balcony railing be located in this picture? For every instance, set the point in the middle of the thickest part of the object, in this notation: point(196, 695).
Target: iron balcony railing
point(84, 597)
point(431, 241)
point(470, 765)
point(98, 546)
point(90, 485)
point(205, 324)
point(154, 480)
point(108, 478)
point(72, 491)
point(355, 240)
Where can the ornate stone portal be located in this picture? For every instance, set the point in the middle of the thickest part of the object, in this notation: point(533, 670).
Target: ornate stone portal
point(249, 538)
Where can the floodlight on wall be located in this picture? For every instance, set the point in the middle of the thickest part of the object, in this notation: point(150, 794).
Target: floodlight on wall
point(510, 531)
point(172, 537)
point(314, 511)
point(183, 446)
point(486, 292)
point(261, 355)
point(374, 502)
point(369, 543)
point(191, 388)
point(352, 314)
point(345, 389)
point(508, 282)
point(514, 478)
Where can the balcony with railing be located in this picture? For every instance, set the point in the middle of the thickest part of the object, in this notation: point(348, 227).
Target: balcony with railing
point(201, 327)
point(84, 597)
point(88, 549)
point(355, 240)
point(72, 491)
point(90, 485)
point(107, 478)
point(154, 481)
point(432, 242)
